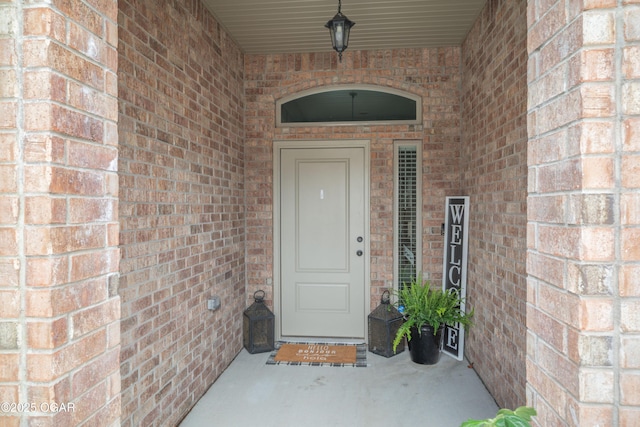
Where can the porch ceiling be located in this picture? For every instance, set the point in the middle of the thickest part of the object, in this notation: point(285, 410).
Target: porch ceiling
point(287, 26)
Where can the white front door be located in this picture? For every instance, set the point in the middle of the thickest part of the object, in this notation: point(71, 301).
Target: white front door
point(322, 242)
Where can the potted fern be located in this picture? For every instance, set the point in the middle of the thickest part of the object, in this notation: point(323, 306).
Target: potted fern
point(426, 311)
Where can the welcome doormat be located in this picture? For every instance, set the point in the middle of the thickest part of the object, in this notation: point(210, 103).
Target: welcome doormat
point(318, 354)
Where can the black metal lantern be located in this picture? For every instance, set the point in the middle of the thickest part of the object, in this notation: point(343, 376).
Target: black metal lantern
point(258, 326)
point(339, 28)
point(384, 322)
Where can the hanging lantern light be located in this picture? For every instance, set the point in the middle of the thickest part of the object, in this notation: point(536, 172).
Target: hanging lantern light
point(258, 326)
point(339, 28)
point(384, 322)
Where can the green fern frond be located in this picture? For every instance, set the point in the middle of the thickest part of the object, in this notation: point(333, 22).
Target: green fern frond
point(423, 305)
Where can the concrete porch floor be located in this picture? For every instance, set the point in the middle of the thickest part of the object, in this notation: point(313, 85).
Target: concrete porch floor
point(388, 392)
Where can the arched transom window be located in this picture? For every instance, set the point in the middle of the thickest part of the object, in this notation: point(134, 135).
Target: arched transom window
point(348, 104)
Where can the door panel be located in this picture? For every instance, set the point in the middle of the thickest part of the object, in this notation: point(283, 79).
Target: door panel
point(322, 297)
point(322, 216)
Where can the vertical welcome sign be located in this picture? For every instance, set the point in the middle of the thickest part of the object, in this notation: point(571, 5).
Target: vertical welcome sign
point(454, 266)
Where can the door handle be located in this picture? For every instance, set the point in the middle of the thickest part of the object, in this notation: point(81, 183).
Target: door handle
point(359, 253)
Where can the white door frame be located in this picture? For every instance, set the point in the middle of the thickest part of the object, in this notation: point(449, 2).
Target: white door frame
point(277, 284)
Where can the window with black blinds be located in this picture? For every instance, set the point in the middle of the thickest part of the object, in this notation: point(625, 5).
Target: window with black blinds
point(407, 219)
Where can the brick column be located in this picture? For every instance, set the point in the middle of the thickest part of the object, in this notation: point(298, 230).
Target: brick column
point(59, 309)
point(583, 234)
point(10, 270)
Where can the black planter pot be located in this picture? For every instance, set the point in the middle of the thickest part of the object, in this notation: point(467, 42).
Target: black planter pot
point(425, 347)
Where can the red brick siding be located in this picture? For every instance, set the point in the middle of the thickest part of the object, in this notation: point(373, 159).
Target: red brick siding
point(11, 282)
point(181, 206)
point(58, 264)
point(583, 239)
point(432, 74)
point(494, 167)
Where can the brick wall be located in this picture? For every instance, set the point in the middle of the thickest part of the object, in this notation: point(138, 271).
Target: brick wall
point(59, 334)
point(181, 206)
point(494, 165)
point(584, 239)
point(430, 73)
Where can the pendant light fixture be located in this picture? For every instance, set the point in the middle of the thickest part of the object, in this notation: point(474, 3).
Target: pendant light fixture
point(339, 28)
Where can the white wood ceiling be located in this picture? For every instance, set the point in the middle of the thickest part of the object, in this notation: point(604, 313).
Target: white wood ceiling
point(287, 26)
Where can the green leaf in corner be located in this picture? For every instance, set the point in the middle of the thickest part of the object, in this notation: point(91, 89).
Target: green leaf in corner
point(519, 417)
point(500, 422)
point(525, 412)
point(514, 421)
